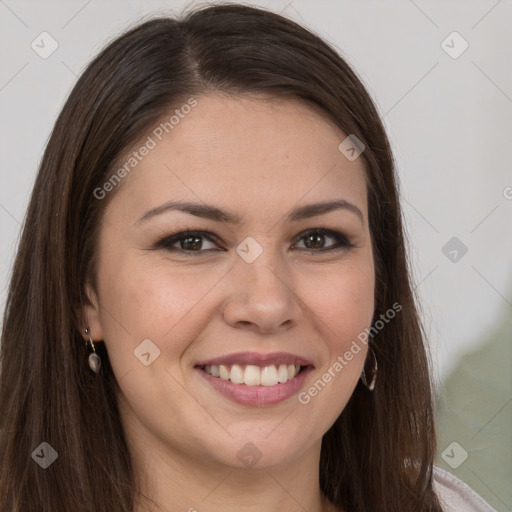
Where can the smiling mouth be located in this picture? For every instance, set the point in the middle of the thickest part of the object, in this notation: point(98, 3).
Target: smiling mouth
point(254, 375)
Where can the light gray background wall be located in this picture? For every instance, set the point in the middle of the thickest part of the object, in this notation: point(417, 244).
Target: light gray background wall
point(448, 113)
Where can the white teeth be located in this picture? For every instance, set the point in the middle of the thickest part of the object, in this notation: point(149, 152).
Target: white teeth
point(237, 374)
point(223, 372)
point(269, 376)
point(282, 374)
point(253, 375)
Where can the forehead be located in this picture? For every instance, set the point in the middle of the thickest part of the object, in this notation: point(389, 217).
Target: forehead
point(246, 153)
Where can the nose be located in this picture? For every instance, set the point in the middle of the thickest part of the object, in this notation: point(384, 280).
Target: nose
point(261, 295)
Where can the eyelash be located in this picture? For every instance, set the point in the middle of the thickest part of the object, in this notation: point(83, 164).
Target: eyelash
point(167, 242)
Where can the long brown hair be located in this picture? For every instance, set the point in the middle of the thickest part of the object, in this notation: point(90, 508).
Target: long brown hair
point(378, 455)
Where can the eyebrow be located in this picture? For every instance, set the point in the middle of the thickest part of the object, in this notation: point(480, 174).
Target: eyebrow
point(216, 214)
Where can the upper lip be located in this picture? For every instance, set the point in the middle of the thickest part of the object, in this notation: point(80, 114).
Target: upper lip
point(258, 359)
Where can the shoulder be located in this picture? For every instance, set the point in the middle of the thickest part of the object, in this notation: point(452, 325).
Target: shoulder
point(455, 495)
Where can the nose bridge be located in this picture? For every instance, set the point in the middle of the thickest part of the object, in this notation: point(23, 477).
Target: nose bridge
point(261, 291)
point(259, 264)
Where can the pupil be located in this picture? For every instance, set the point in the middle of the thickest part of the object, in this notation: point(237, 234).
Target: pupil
point(186, 245)
point(318, 239)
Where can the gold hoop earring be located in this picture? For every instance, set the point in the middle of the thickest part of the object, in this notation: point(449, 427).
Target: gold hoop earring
point(369, 376)
point(94, 359)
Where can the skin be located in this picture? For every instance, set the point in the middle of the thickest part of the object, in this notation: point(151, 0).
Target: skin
point(259, 158)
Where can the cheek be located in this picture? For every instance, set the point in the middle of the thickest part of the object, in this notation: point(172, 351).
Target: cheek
point(342, 309)
point(343, 302)
point(142, 299)
point(342, 306)
point(148, 299)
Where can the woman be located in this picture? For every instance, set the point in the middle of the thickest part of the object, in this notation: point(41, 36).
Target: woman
point(210, 306)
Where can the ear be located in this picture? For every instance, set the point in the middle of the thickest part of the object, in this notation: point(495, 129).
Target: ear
point(91, 317)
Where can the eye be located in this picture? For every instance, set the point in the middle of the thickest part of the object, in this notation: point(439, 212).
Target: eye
point(192, 241)
point(316, 237)
point(189, 241)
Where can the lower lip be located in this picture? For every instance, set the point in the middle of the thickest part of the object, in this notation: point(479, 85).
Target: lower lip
point(257, 396)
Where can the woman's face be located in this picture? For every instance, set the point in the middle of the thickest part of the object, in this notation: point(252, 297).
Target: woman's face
point(250, 298)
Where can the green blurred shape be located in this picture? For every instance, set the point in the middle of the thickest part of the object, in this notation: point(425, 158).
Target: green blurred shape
point(474, 409)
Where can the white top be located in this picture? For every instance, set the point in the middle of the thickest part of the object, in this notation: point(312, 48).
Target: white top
point(455, 495)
